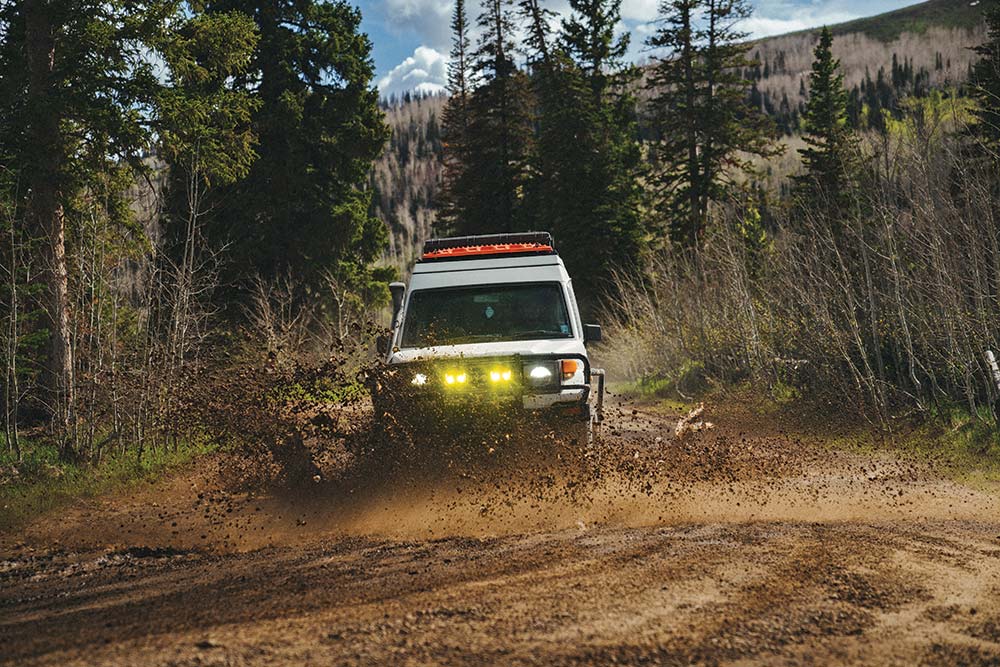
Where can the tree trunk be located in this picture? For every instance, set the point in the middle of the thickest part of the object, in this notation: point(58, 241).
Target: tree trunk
point(12, 392)
point(46, 210)
point(687, 57)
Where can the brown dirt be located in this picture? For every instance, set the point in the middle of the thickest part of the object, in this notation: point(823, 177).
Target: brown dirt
point(743, 545)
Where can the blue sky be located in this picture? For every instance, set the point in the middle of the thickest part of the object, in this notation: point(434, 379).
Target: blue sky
point(411, 38)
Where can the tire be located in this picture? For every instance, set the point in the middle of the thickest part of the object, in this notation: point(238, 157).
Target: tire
point(579, 433)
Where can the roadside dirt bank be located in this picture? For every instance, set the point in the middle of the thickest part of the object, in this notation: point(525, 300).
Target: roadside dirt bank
point(743, 545)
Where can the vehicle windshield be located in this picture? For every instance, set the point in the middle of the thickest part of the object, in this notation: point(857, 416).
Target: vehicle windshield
point(485, 313)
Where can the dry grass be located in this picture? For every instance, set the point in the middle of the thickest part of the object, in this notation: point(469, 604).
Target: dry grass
point(884, 308)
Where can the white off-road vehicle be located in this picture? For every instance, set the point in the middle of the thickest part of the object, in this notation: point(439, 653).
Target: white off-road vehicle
point(492, 320)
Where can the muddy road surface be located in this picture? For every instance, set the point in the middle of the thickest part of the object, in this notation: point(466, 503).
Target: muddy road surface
point(742, 545)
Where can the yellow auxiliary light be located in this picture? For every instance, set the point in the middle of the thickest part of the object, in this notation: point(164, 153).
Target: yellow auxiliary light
point(455, 378)
point(500, 375)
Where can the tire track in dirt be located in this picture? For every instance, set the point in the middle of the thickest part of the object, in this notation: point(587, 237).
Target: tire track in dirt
point(777, 552)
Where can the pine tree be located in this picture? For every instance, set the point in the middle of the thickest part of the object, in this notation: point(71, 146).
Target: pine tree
point(205, 135)
point(304, 207)
point(830, 148)
point(488, 194)
point(705, 129)
point(81, 103)
point(986, 83)
point(456, 118)
point(589, 160)
point(536, 42)
point(75, 82)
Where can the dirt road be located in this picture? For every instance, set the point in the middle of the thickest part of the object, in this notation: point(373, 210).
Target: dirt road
point(744, 545)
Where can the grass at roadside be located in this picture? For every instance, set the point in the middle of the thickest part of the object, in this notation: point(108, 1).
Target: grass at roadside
point(970, 443)
point(41, 483)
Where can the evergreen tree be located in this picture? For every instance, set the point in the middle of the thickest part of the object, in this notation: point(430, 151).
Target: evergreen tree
point(986, 83)
point(456, 117)
point(537, 39)
point(488, 193)
point(203, 125)
point(589, 160)
point(304, 208)
point(830, 148)
point(553, 115)
point(75, 94)
point(81, 103)
point(205, 135)
point(706, 131)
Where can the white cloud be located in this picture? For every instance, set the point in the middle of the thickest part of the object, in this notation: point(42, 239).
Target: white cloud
point(776, 17)
point(764, 26)
point(640, 10)
point(426, 71)
point(770, 17)
point(430, 19)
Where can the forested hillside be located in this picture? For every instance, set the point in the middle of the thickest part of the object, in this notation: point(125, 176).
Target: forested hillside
point(877, 73)
point(883, 58)
point(406, 178)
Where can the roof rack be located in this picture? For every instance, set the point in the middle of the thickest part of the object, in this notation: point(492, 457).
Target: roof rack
point(465, 247)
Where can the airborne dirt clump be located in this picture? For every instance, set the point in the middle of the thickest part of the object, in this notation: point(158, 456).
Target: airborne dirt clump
point(744, 544)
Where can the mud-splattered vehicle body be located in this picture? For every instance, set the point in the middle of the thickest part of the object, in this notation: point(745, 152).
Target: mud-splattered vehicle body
point(490, 324)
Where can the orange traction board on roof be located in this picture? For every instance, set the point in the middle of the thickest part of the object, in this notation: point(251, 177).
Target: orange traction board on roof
point(491, 249)
point(527, 243)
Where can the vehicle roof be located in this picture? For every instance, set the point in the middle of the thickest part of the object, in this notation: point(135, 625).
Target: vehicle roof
point(487, 271)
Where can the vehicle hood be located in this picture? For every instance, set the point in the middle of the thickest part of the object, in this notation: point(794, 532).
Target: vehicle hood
point(494, 349)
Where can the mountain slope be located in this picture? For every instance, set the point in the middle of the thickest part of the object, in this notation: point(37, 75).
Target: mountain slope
point(406, 178)
point(915, 19)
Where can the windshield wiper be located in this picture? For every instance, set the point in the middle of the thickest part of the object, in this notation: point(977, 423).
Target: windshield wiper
point(539, 333)
point(473, 338)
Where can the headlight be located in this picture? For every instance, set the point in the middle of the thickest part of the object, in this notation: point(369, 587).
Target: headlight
point(541, 373)
point(419, 379)
point(552, 374)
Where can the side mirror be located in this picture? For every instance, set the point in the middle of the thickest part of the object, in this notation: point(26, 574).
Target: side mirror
point(591, 333)
point(397, 290)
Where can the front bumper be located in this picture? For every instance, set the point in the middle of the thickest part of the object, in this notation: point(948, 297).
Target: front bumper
point(569, 396)
point(564, 398)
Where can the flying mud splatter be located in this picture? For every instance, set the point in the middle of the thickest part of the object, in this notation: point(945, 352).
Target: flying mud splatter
point(739, 545)
point(298, 467)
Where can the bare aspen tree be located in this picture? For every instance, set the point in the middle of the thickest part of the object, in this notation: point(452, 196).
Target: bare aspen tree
point(10, 268)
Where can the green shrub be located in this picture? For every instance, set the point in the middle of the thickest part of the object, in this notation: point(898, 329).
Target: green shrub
point(41, 482)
